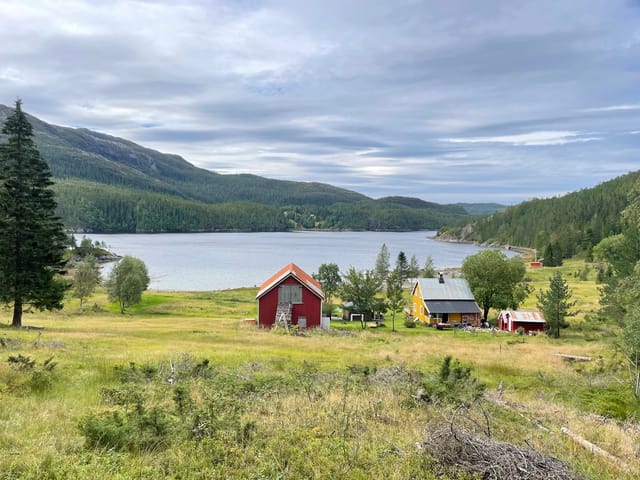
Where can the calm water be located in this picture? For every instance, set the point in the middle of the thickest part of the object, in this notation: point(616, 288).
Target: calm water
point(216, 261)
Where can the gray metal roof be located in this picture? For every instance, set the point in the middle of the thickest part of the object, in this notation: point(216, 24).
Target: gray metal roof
point(452, 306)
point(451, 289)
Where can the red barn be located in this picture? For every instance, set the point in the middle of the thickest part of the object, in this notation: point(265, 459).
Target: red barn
point(511, 320)
point(290, 297)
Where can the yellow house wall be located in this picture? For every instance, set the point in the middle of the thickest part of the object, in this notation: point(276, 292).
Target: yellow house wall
point(418, 308)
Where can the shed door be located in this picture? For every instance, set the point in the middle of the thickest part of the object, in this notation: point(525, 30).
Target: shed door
point(302, 322)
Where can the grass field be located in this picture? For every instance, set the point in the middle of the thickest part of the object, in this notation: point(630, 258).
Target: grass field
point(247, 403)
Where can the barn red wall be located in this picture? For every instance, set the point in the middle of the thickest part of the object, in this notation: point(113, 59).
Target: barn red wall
point(267, 306)
point(528, 327)
point(310, 307)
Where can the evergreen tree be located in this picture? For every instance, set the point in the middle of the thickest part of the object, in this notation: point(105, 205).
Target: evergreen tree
point(553, 255)
point(127, 281)
point(32, 238)
point(621, 294)
point(402, 266)
point(382, 266)
point(429, 270)
point(555, 304)
point(620, 255)
point(414, 268)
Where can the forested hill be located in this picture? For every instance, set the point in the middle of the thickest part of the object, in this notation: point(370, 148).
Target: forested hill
point(96, 157)
point(108, 184)
point(558, 227)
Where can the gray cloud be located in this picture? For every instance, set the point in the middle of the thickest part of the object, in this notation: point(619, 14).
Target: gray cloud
point(447, 101)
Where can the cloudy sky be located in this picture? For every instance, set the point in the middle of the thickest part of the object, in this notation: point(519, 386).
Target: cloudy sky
point(492, 100)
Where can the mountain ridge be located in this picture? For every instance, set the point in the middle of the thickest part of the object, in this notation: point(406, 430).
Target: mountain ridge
point(89, 167)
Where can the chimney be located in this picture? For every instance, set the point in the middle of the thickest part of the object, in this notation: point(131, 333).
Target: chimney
point(440, 277)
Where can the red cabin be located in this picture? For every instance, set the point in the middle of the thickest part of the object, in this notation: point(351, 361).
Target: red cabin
point(511, 320)
point(290, 297)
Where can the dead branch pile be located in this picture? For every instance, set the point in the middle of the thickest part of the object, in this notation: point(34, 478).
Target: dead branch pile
point(493, 460)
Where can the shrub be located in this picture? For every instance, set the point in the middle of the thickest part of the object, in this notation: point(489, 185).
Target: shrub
point(134, 431)
point(21, 362)
point(41, 377)
point(454, 385)
point(136, 374)
point(410, 322)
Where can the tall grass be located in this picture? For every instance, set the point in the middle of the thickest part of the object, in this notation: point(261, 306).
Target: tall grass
point(337, 404)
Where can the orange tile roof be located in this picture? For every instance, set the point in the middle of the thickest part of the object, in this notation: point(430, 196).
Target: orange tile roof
point(291, 269)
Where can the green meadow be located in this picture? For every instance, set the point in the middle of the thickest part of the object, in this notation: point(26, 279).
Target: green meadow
point(185, 386)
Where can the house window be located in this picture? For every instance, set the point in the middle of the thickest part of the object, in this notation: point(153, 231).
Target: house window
point(290, 294)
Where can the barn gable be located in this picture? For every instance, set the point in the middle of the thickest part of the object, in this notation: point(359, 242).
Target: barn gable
point(290, 297)
point(296, 272)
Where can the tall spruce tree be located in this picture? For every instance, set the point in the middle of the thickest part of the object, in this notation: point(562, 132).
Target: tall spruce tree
point(32, 238)
point(402, 266)
point(556, 304)
point(382, 263)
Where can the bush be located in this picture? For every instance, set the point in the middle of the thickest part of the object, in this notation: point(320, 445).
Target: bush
point(136, 374)
point(454, 385)
point(41, 376)
point(410, 322)
point(133, 431)
point(207, 408)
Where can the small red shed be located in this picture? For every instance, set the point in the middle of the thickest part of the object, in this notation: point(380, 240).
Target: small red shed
point(511, 320)
point(290, 297)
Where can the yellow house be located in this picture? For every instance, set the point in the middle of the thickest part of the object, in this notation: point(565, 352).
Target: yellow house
point(444, 300)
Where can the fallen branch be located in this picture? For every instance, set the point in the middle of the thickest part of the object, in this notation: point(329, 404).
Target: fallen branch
point(517, 409)
point(574, 357)
point(593, 448)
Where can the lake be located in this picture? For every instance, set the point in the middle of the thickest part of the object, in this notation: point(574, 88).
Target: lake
point(217, 261)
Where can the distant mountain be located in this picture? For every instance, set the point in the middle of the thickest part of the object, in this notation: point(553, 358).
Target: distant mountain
point(566, 226)
point(96, 157)
point(108, 184)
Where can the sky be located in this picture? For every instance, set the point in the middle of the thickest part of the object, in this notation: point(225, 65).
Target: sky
point(448, 101)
